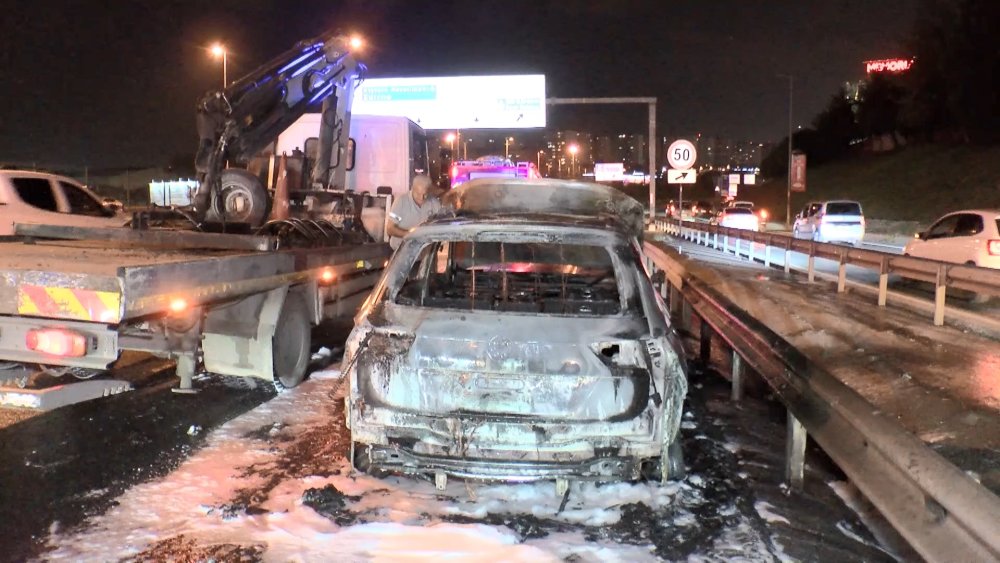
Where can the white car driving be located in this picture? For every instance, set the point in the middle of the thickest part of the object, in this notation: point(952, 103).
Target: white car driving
point(969, 237)
point(831, 221)
point(739, 218)
point(49, 199)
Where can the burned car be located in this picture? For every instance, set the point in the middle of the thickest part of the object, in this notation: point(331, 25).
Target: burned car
point(518, 339)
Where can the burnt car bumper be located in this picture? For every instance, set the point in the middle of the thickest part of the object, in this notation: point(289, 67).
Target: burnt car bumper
point(506, 450)
point(400, 460)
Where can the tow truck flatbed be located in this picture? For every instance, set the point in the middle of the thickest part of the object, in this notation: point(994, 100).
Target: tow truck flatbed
point(222, 305)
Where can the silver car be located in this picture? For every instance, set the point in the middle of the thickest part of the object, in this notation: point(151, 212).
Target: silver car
point(520, 339)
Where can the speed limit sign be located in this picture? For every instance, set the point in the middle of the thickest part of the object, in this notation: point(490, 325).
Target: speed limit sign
point(681, 154)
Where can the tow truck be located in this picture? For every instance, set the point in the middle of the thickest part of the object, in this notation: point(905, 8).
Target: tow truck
point(274, 243)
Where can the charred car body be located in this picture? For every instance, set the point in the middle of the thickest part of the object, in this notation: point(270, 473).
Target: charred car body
point(518, 339)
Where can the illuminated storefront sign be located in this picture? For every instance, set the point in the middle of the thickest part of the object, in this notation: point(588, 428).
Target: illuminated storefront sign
point(888, 65)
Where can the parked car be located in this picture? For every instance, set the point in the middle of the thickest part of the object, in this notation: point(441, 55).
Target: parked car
point(966, 237)
point(743, 204)
point(43, 198)
point(113, 204)
point(831, 221)
point(520, 340)
point(738, 218)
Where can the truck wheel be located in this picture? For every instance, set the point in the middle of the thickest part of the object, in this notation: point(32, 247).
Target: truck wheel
point(241, 199)
point(291, 343)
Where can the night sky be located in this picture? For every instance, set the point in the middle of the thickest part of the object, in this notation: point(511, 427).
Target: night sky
point(114, 83)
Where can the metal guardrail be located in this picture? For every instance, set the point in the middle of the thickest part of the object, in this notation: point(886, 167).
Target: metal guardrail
point(936, 507)
point(943, 275)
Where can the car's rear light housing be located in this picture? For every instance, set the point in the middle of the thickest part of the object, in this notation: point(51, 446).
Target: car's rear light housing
point(993, 247)
point(56, 342)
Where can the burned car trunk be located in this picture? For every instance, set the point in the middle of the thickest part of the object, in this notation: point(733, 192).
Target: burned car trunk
point(515, 347)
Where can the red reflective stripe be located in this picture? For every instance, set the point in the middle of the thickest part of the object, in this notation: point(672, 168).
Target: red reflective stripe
point(42, 300)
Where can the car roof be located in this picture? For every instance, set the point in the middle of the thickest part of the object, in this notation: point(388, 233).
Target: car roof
point(36, 174)
point(562, 202)
point(446, 225)
point(979, 211)
point(841, 201)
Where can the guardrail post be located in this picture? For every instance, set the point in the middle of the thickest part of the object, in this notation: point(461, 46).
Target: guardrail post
point(685, 313)
point(788, 256)
point(675, 301)
point(812, 262)
point(883, 281)
point(767, 254)
point(737, 377)
point(795, 452)
point(940, 294)
point(725, 244)
point(842, 273)
point(705, 341)
point(715, 244)
point(750, 256)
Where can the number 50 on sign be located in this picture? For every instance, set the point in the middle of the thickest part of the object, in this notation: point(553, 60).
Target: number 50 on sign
point(681, 154)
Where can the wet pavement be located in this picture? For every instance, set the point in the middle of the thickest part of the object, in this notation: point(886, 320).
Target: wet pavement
point(732, 504)
point(75, 469)
point(940, 383)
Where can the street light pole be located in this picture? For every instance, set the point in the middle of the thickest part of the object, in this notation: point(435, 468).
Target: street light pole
point(788, 195)
point(219, 50)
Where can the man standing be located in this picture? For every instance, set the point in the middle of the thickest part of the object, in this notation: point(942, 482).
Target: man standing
point(411, 210)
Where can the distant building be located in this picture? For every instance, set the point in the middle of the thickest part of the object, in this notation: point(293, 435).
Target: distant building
point(628, 148)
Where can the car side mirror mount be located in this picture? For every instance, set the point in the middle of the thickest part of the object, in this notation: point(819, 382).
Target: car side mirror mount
point(920, 236)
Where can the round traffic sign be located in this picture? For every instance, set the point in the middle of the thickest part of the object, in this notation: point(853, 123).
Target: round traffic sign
point(682, 154)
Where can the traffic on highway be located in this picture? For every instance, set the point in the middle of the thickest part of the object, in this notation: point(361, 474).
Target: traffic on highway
point(381, 283)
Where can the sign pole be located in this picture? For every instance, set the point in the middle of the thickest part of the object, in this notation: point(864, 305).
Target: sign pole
point(651, 143)
point(788, 200)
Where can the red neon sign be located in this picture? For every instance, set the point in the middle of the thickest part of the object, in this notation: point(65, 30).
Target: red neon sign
point(888, 65)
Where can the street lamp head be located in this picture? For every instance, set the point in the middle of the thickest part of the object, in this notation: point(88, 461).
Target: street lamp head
point(449, 138)
point(217, 50)
point(356, 42)
point(573, 149)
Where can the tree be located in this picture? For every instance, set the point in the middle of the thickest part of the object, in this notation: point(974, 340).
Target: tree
point(952, 87)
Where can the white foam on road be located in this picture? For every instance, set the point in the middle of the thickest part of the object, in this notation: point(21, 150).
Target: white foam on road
point(394, 519)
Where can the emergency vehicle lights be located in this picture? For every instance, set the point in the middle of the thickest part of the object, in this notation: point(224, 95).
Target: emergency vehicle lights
point(56, 342)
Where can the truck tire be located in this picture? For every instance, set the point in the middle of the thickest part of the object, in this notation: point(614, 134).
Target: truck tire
point(241, 199)
point(290, 347)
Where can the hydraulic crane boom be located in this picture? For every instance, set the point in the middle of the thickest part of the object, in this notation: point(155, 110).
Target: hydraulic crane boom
point(237, 122)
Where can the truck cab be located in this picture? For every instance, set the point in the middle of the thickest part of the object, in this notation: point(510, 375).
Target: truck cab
point(386, 151)
point(384, 154)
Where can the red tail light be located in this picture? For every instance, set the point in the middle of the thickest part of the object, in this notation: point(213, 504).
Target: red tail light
point(993, 247)
point(56, 341)
point(454, 172)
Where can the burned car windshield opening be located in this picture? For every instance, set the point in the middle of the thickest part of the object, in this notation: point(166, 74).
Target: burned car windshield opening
point(530, 277)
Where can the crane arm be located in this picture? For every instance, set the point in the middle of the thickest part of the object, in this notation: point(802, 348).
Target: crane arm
point(237, 122)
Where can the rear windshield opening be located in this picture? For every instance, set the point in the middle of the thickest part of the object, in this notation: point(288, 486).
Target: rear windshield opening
point(843, 208)
point(739, 211)
point(543, 278)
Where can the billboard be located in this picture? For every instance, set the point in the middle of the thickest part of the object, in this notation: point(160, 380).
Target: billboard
point(609, 171)
point(888, 65)
point(172, 192)
point(798, 172)
point(457, 102)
